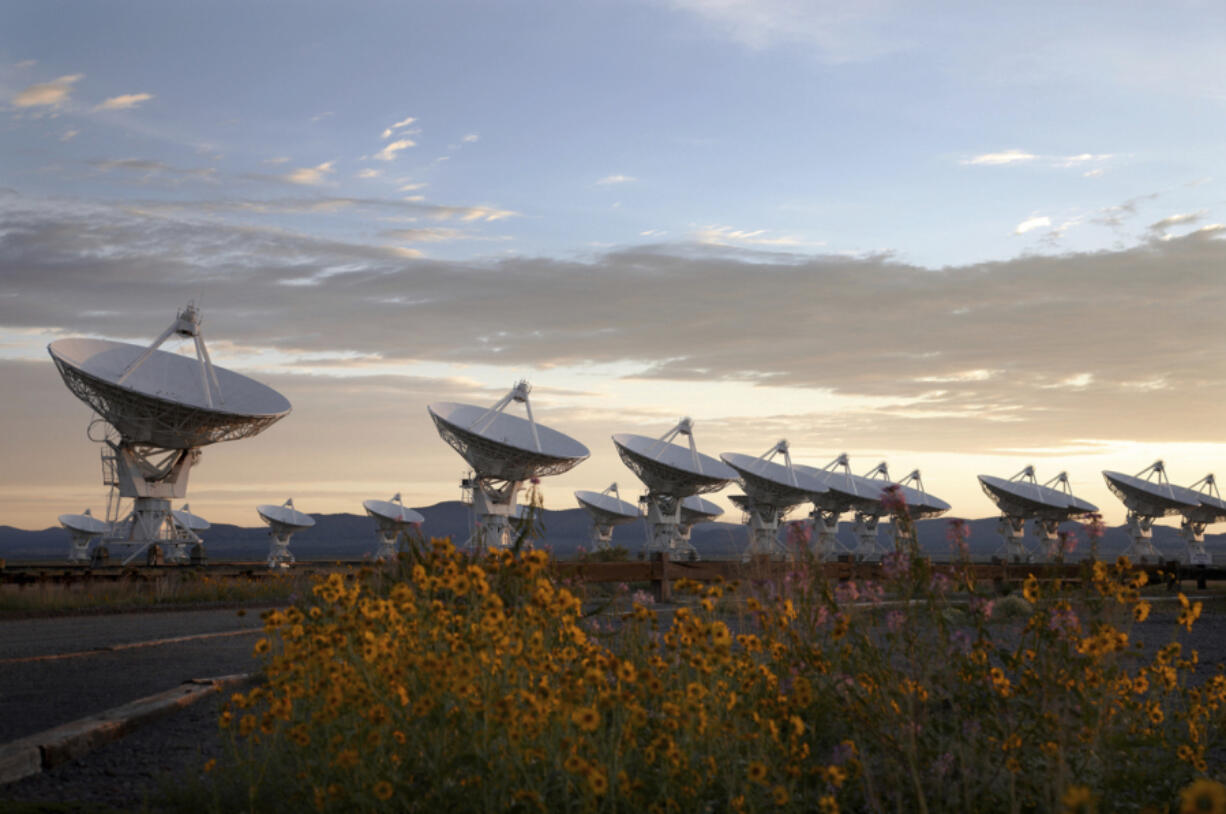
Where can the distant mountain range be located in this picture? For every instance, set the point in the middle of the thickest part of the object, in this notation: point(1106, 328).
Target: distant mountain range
point(350, 537)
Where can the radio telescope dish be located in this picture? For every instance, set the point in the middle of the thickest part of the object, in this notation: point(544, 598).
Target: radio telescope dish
point(284, 522)
point(1021, 498)
point(1212, 509)
point(772, 490)
point(504, 451)
point(84, 529)
point(671, 469)
point(695, 509)
point(192, 522)
point(165, 399)
point(671, 473)
point(847, 492)
point(391, 520)
point(158, 410)
point(607, 511)
point(1148, 495)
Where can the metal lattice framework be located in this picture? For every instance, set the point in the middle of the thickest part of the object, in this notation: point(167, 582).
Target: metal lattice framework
point(143, 419)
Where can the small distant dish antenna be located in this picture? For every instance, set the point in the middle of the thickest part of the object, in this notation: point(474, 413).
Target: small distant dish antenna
point(392, 520)
point(672, 473)
point(157, 410)
point(772, 489)
point(1212, 509)
point(84, 528)
point(1023, 498)
point(284, 522)
point(187, 538)
point(504, 451)
point(1148, 495)
point(607, 511)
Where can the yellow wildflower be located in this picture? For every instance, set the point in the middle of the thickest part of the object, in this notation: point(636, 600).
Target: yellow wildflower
point(1077, 800)
point(1203, 796)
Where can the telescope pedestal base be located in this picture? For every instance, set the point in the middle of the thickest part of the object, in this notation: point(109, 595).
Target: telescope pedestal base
point(1141, 530)
point(279, 556)
point(764, 537)
point(1012, 530)
point(868, 548)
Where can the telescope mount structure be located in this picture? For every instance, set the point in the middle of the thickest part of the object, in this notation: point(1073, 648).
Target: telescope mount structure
point(607, 511)
point(1021, 498)
point(1212, 509)
point(1149, 495)
point(392, 520)
point(284, 522)
point(772, 489)
point(672, 473)
point(156, 410)
point(504, 451)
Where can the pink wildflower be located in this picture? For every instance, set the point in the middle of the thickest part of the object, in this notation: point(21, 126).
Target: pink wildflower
point(896, 564)
point(983, 607)
point(846, 592)
point(893, 500)
point(958, 533)
point(798, 534)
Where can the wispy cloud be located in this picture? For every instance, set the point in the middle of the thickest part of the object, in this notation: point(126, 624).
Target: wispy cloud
point(150, 167)
point(473, 213)
point(1160, 230)
point(729, 236)
point(388, 153)
point(51, 94)
point(1032, 223)
point(310, 176)
point(428, 234)
point(935, 352)
point(610, 180)
point(1004, 157)
point(69, 135)
point(1007, 157)
point(125, 102)
point(470, 138)
point(369, 173)
point(402, 123)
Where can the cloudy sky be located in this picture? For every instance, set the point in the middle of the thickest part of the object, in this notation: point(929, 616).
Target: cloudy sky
point(958, 237)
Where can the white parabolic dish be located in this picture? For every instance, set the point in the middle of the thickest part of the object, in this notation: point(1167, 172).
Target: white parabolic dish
point(285, 517)
point(1149, 497)
point(187, 520)
point(388, 510)
point(1212, 508)
point(84, 523)
point(163, 402)
point(771, 482)
point(671, 469)
point(606, 508)
point(1029, 499)
point(504, 449)
point(863, 494)
point(695, 509)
